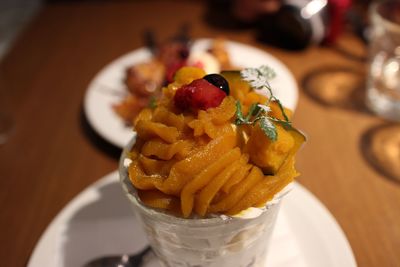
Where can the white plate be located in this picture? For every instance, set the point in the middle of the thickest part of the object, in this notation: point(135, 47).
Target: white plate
point(107, 87)
point(99, 221)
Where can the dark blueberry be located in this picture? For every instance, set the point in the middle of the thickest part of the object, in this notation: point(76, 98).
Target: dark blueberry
point(218, 81)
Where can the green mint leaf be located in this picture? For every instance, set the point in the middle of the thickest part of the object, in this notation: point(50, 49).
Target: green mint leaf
point(152, 103)
point(254, 110)
point(268, 128)
point(282, 109)
point(239, 115)
point(286, 124)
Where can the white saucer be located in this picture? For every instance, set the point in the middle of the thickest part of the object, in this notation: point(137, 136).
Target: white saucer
point(99, 222)
point(107, 87)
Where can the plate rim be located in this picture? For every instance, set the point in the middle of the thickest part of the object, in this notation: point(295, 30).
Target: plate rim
point(39, 256)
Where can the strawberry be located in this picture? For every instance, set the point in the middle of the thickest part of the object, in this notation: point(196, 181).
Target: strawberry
point(199, 94)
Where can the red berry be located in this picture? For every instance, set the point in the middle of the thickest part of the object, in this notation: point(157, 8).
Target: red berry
point(183, 97)
point(199, 94)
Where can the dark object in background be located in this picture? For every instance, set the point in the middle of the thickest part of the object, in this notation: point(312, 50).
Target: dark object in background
point(298, 24)
point(219, 14)
point(285, 29)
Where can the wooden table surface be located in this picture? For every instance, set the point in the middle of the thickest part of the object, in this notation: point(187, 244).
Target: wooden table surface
point(52, 153)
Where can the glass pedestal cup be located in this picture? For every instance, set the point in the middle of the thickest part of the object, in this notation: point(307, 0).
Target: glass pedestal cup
point(216, 241)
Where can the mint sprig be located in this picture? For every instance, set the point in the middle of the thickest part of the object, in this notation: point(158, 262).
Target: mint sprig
point(268, 128)
point(255, 115)
point(258, 78)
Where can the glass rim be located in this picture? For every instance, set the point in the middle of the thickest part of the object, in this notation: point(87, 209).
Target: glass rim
point(132, 195)
point(377, 16)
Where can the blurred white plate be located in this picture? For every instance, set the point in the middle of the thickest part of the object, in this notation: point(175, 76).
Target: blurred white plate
point(107, 87)
point(99, 221)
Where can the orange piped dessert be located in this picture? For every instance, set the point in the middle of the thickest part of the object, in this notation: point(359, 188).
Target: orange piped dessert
point(213, 145)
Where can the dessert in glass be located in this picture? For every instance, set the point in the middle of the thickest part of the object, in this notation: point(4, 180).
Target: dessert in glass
point(209, 165)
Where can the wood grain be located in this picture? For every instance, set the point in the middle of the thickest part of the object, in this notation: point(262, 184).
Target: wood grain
point(52, 153)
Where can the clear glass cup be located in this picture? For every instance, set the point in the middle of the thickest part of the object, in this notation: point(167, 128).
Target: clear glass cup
point(218, 241)
point(383, 86)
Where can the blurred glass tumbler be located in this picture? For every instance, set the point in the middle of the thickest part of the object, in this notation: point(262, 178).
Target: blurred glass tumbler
point(220, 241)
point(383, 86)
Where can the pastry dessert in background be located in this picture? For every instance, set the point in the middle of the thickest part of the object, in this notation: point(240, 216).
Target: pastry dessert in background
point(143, 81)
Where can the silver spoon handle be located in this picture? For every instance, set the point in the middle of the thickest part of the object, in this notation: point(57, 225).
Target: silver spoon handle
point(125, 260)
